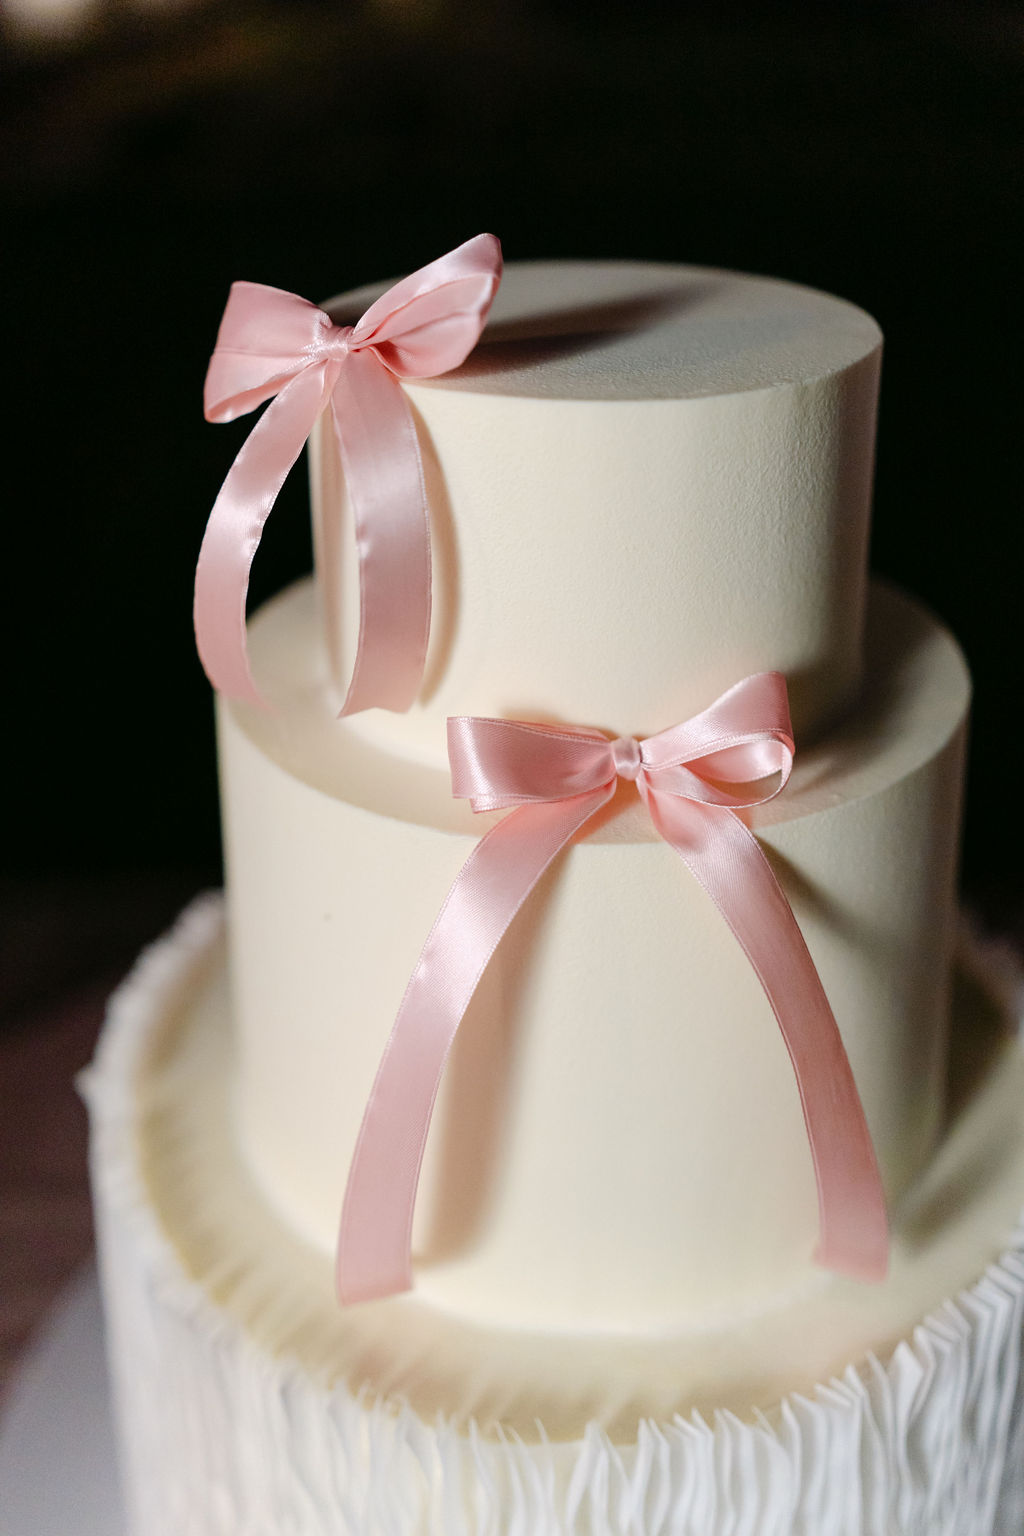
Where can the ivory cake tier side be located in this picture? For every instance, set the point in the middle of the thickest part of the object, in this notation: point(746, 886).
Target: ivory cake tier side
point(644, 483)
point(619, 1142)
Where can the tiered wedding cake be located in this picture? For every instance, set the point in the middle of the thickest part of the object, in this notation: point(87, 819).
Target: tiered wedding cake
point(645, 485)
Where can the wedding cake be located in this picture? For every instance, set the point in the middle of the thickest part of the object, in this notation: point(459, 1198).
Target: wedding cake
point(712, 1225)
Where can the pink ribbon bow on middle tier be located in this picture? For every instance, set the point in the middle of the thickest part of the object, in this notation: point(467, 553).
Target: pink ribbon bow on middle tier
point(693, 778)
point(276, 346)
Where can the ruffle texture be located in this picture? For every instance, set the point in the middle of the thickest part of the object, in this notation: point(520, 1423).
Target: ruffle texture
point(221, 1439)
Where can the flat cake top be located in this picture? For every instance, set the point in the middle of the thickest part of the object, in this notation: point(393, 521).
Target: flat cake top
point(641, 331)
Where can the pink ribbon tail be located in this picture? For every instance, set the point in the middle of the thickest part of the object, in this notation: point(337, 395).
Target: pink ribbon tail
point(233, 531)
point(727, 860)
point(380, 454)
point(375, 1238)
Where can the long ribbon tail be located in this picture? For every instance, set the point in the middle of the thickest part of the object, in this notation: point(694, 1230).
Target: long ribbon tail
point(374, 1242)
point(729, 863)
point(233, 532)
point(380, 454)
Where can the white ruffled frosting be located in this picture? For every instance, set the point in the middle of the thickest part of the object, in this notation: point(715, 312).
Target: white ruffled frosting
point(224, 1436)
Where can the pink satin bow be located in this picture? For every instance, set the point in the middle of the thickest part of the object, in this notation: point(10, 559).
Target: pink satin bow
point(274, 344)
point(693, 779)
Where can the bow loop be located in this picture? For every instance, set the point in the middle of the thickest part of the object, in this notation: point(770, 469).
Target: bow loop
point(266, 337)
point(500, 763)
point(429, 322)
point(744, 735)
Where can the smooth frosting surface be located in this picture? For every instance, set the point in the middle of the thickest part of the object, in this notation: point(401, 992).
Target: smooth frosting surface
point(619, 1080)
point(644, 483)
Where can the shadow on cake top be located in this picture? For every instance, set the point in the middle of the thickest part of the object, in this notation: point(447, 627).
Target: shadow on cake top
point(641, 331)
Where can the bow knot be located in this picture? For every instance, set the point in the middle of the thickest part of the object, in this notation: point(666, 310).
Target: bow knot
point(276, 346)
point(334, 345)
point(627, 757)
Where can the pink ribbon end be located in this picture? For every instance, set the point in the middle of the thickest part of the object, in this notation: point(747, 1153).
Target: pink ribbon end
point(354, 1286)
point(862, 1255)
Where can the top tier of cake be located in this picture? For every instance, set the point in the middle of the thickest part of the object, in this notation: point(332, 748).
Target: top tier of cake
point(645, 483)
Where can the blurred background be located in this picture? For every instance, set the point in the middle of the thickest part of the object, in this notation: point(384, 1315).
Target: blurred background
point(151, 152)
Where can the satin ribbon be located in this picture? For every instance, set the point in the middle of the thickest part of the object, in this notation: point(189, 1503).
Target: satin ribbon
point(275, 346)
point(694, 779)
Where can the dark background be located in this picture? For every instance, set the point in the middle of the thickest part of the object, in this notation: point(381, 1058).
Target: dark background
point(153, 156)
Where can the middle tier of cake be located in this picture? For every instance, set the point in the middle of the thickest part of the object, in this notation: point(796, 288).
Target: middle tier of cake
point(619, 1143)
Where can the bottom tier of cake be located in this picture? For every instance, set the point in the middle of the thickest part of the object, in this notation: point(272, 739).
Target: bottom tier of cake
point(248, 1403)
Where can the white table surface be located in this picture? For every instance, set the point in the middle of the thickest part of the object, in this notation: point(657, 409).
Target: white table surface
point(58, 1473)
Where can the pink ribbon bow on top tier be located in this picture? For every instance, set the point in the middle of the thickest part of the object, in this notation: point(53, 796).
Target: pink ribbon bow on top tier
point(275, 346)
point(693, 779)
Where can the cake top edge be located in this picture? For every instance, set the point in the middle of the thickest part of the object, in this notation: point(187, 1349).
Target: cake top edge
point(626, 330)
